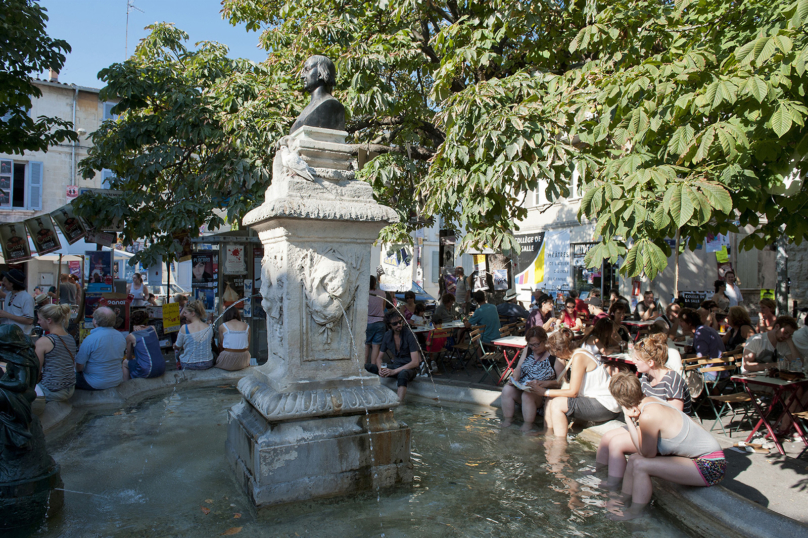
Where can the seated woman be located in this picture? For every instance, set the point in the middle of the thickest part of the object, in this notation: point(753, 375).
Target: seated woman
point(618, 312)
point(57, 353)
point(542, 315)
point(650, 357)
point(740, 328)
point(144, 358)
point(668, 445)
point(443, 313)
point(535, 364)
point(193, 346)
point(569, 318)
point(602, 339)
point(586, 398)
point(767, 317)
point(234, 342)
point(407, 308)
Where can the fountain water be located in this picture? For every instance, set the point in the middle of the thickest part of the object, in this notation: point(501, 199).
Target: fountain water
point(309, 415)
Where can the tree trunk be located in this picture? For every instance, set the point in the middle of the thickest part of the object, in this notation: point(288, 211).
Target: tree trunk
point(676, 267)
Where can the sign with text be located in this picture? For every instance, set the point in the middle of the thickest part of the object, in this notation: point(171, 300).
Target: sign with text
point(14, 241)
point(693, 299)
point(171, 317)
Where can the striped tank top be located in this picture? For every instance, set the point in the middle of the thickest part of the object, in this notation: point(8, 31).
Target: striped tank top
point(58, 371)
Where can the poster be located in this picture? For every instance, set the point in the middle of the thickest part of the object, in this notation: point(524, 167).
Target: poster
point(207, 296)
point(557, 260)
point(99, 270)
point(500, 279)
point(396, 268)
point(202, 269)
point(119, 305)
point(70, 225)
point(767, 294)
point(233, 290)
point(716, 243)
point(449, 282)
point(479, 280)
point(101, 238)
point(234, 263)
point(171, 317)
point(74, 267)
point(14, 242)
point(182, 245)
point(248, 291)
point(91, 302)
point(43, 234)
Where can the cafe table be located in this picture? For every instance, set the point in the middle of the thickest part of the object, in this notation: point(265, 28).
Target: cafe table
point(510, 343)
point(782, 391)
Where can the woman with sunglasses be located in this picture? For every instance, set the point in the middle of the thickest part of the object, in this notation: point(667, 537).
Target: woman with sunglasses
point(586, 398)
point(658, 381)
point(535, 365)
point(570, 318)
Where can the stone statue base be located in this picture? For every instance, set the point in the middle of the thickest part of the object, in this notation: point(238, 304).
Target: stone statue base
point(304, 459)
point(26, 501)
point(301, 431)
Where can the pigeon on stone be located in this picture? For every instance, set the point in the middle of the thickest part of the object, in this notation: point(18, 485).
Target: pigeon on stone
point(295, 164)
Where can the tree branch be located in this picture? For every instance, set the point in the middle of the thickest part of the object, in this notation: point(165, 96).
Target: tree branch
point(419, 153)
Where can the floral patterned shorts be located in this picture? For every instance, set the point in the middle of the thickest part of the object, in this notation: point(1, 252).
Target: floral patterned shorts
point(712, 467)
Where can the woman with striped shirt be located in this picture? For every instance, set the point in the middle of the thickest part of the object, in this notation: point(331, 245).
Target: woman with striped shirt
point(657, 381)
point(56, 352)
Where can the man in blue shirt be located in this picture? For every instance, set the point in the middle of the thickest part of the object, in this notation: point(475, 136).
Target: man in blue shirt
point(510, 308)
point(100, 357)
point(486, 314)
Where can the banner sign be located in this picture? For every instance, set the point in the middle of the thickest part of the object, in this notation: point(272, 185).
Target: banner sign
point(14, 242)
point(43, 233)
point(69, 224)
point(693, 299)
point(99, 271)
point(119, 305)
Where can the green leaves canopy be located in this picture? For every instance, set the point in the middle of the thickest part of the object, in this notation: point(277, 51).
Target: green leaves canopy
point(25, 49)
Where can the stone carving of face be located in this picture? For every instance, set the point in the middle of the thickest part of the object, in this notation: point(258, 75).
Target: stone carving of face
point(310, 75)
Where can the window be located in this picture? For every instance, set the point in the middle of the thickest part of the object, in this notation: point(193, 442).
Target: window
point(21, 184)
point(108, 115)
point(540, 196)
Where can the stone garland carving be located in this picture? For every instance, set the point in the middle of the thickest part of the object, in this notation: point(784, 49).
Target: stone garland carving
point(272, 286)
point(276, 406)
point(329, 279)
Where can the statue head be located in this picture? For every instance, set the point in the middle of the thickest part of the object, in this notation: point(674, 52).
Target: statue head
point(318, 71)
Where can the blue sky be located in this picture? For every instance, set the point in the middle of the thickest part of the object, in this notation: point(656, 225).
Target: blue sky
point(96, 31)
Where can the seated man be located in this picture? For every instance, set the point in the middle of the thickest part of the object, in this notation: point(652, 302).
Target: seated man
point(98, 362)
point(486, 314)
point(764, 350)
point(511, 309)
point(406, 355)
point(648, 308)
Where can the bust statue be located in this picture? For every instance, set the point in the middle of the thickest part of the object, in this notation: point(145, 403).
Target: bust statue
point(324, 111)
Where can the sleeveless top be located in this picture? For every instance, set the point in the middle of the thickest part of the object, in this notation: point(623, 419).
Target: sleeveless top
point(147, 352)
point(735, 339)
point(137, 293)
point(595, 384)
point(58, 371)
point(692, 441)
point(538, 369)
point(235, 339)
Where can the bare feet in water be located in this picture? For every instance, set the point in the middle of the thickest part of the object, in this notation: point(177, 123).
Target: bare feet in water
point(626, 514)
point(506, 423)
point(527, 427)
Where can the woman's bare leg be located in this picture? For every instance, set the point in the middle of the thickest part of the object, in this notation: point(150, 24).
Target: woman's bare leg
point(555, 419)
point(620, 447)
point(530, 404)
point(675, 469)
point(510, 395)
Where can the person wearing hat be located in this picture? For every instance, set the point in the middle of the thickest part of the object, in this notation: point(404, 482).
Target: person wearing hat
point(18, 307)
point(510, 308)
point(542, 315)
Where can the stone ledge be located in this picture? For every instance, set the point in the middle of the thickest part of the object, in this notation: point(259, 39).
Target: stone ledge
point(56, 413)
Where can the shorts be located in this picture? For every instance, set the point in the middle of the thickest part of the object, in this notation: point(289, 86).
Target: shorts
point(589, 409)
point(375, 333)
point(403, 377)
point(711, 467)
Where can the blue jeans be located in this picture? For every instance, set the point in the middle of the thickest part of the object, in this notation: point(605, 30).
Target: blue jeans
point(375, 333)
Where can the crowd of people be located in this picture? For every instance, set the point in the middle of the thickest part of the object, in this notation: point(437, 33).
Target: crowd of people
point(108, 356)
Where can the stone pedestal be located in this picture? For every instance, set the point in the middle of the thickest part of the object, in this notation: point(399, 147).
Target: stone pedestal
point(302, 431)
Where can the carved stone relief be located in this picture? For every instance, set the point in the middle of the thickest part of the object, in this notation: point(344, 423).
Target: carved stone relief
point(272, 288)
point(329, 279)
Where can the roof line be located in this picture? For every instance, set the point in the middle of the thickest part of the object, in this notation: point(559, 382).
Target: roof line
point(64, 86)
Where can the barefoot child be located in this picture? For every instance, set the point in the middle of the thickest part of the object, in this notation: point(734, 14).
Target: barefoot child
point(669, 445)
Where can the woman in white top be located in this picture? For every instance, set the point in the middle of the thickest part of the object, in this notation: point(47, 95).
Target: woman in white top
point(586, 398)
point(137, 289)
point(602, 339)
point(733, 292)
point(234, 342)
point(193, 348)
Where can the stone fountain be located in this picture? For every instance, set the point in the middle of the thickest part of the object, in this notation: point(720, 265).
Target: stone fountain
point(29, 477)
point(311, 422)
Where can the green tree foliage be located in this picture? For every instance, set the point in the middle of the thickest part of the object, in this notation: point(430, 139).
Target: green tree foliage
point(25, 49)
point(191, 145)
point(678, 115)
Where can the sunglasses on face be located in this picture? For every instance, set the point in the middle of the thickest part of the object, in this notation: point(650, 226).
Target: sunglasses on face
point(396, 323)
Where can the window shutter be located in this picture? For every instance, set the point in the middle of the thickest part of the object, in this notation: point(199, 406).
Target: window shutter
point(35, 169)
point(106, 175)
point(435, 265)
point(108, 115)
